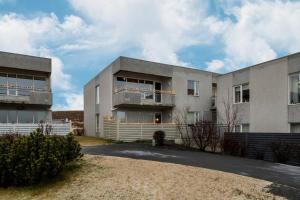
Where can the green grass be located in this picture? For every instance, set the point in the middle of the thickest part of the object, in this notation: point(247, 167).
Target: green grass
point(92, 141)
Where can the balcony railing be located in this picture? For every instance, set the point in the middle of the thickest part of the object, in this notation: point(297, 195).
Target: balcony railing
point(130, 96)
point(15, 94)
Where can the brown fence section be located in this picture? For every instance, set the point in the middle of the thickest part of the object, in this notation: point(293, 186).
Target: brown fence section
point(258, 145)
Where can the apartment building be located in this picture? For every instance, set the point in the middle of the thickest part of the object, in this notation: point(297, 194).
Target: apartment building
point(25, 89)
point(266, 95)
point(135, 91)
point(130, 91)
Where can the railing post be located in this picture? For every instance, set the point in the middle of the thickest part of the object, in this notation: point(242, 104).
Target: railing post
point(118, 134)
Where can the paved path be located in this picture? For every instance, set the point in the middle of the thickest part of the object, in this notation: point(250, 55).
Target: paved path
point(279, 174)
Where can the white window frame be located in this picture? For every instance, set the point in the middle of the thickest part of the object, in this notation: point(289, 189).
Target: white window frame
point(241, 91)
point(196, 89)
point(289, 87)
point(240, 127)
point(97, 94)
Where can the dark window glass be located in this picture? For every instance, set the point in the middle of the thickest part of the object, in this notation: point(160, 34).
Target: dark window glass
point(149, 82)
point(131, 80)
point(40, 116)
point(237, 94)
point(122, 79)
point(25, 116)
point(246, 93)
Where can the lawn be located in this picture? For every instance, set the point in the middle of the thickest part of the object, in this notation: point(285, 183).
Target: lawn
point(91, 141)
point(99, 177)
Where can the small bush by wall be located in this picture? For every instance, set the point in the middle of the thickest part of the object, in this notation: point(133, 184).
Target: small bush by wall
point(159, 137)
point(26, 160)
point(284, 152)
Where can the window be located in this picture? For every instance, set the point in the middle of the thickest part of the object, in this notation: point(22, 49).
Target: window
point(121, 82)
point(25, 116)
point(132, 117)
point(294, 88)
point(193, 88)
point(3, 116)
point(25, 84)
point(12, 84)
point(193, 117)
point(40, 116)
point(97, 123)
point(40, 83)
point(3, 84)
point(157, 118)
point(121, 116)
point(97, 94)
point(148, 117)
point(242, 128)
point(295, 127)
point(12, 117)
point(241, 93)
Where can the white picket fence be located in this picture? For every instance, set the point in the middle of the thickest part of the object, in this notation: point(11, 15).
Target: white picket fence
point(26, 129)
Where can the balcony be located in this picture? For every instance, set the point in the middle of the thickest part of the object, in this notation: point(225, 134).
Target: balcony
point(137, 97)
point(17, 95)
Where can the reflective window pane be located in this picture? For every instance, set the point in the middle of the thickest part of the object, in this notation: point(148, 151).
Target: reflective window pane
point(132, 117)
point(3, 116)
point(39, 83)
point(25, 116)
point(12, 116)
point(295, 88)
point(148, 117)
point(237, 94)
point(12, 84)
point(121, 116)
point(40, 116)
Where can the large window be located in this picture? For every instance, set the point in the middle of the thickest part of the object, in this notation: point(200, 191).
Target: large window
point(40, 116)
point(295, 127)
point(25, 84)
point(25, 116)
point(241, 93)
point(193, 88)
point(193, 117)
point(3, 84)
point(12, 84)
point(40, 83)
point(97, 91)
point(3, 116)
point(295, 88)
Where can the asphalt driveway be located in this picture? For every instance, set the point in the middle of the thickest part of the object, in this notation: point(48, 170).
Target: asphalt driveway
point(286, 178)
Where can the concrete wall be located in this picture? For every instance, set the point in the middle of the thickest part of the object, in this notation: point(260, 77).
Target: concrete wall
point(192, 103)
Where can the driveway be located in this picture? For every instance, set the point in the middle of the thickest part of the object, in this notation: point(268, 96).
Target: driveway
point(286, 178)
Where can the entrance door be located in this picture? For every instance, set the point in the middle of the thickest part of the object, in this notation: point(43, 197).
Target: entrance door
point(157, 117)
point(157, 92)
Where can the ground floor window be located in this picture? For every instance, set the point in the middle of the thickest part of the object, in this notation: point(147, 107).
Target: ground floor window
point(23, 116)
point(242, 128)
point(295, 127)
point(194, 117)
point(139, 117)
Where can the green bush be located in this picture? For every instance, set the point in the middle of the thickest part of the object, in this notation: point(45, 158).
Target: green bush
point(159, 137)
point(26, 160)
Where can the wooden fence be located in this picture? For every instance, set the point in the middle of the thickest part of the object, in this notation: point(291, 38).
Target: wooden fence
point(258, 145)
point(129, 132)
point(25, 129)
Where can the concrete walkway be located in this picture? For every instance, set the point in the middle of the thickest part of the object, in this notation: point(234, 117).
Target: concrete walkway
point(286, 178)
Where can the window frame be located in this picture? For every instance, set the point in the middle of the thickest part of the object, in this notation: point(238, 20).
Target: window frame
point(289, 88)
point(241, 93)
point(196, 88)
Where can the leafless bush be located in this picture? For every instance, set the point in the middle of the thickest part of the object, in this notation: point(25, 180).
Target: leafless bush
point(183, 129)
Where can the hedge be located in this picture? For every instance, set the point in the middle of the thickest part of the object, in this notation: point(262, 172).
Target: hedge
point(27, 160)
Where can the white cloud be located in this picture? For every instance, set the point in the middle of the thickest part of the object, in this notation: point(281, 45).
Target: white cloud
point(159, 28)
point(259, 31)
point(215, 65)
point(74, 101)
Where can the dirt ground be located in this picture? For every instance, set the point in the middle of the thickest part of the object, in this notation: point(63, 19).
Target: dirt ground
point(86, 141)
point(123, 178)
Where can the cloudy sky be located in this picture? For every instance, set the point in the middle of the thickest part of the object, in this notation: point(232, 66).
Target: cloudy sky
point(83, 36)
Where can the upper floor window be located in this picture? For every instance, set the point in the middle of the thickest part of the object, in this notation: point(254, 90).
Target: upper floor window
point(294, 88)
point(193, 88)
point(97, 94)
point(241, 93)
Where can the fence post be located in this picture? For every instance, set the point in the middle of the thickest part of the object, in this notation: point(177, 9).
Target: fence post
point(118, 134)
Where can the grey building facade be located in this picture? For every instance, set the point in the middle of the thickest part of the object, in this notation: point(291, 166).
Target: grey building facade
point(25, 89)
point(266, 96)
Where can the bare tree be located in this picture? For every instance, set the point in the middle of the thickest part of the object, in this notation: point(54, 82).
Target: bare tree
point(230, 117)
point(184, 130)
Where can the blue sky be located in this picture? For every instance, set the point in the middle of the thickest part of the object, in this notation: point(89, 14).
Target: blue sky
point(83, 36)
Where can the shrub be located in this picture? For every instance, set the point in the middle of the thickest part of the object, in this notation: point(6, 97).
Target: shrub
point(26, 160)
point(234, 147)
point(159, 137)
point(281, 151)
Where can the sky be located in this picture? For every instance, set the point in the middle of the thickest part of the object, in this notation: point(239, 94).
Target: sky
point(84, 36)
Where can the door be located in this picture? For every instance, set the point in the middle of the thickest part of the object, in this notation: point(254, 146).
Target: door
point(157, 117)
point(157, 92)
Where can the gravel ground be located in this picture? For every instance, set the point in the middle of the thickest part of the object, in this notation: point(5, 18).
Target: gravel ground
point(104, 177)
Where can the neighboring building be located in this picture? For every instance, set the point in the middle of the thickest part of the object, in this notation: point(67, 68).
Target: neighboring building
point(131, 91)
point(73, 116)
point(267, 95)
point(25, 89)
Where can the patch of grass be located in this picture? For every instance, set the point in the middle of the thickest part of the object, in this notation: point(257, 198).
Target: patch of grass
point(92, 141)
